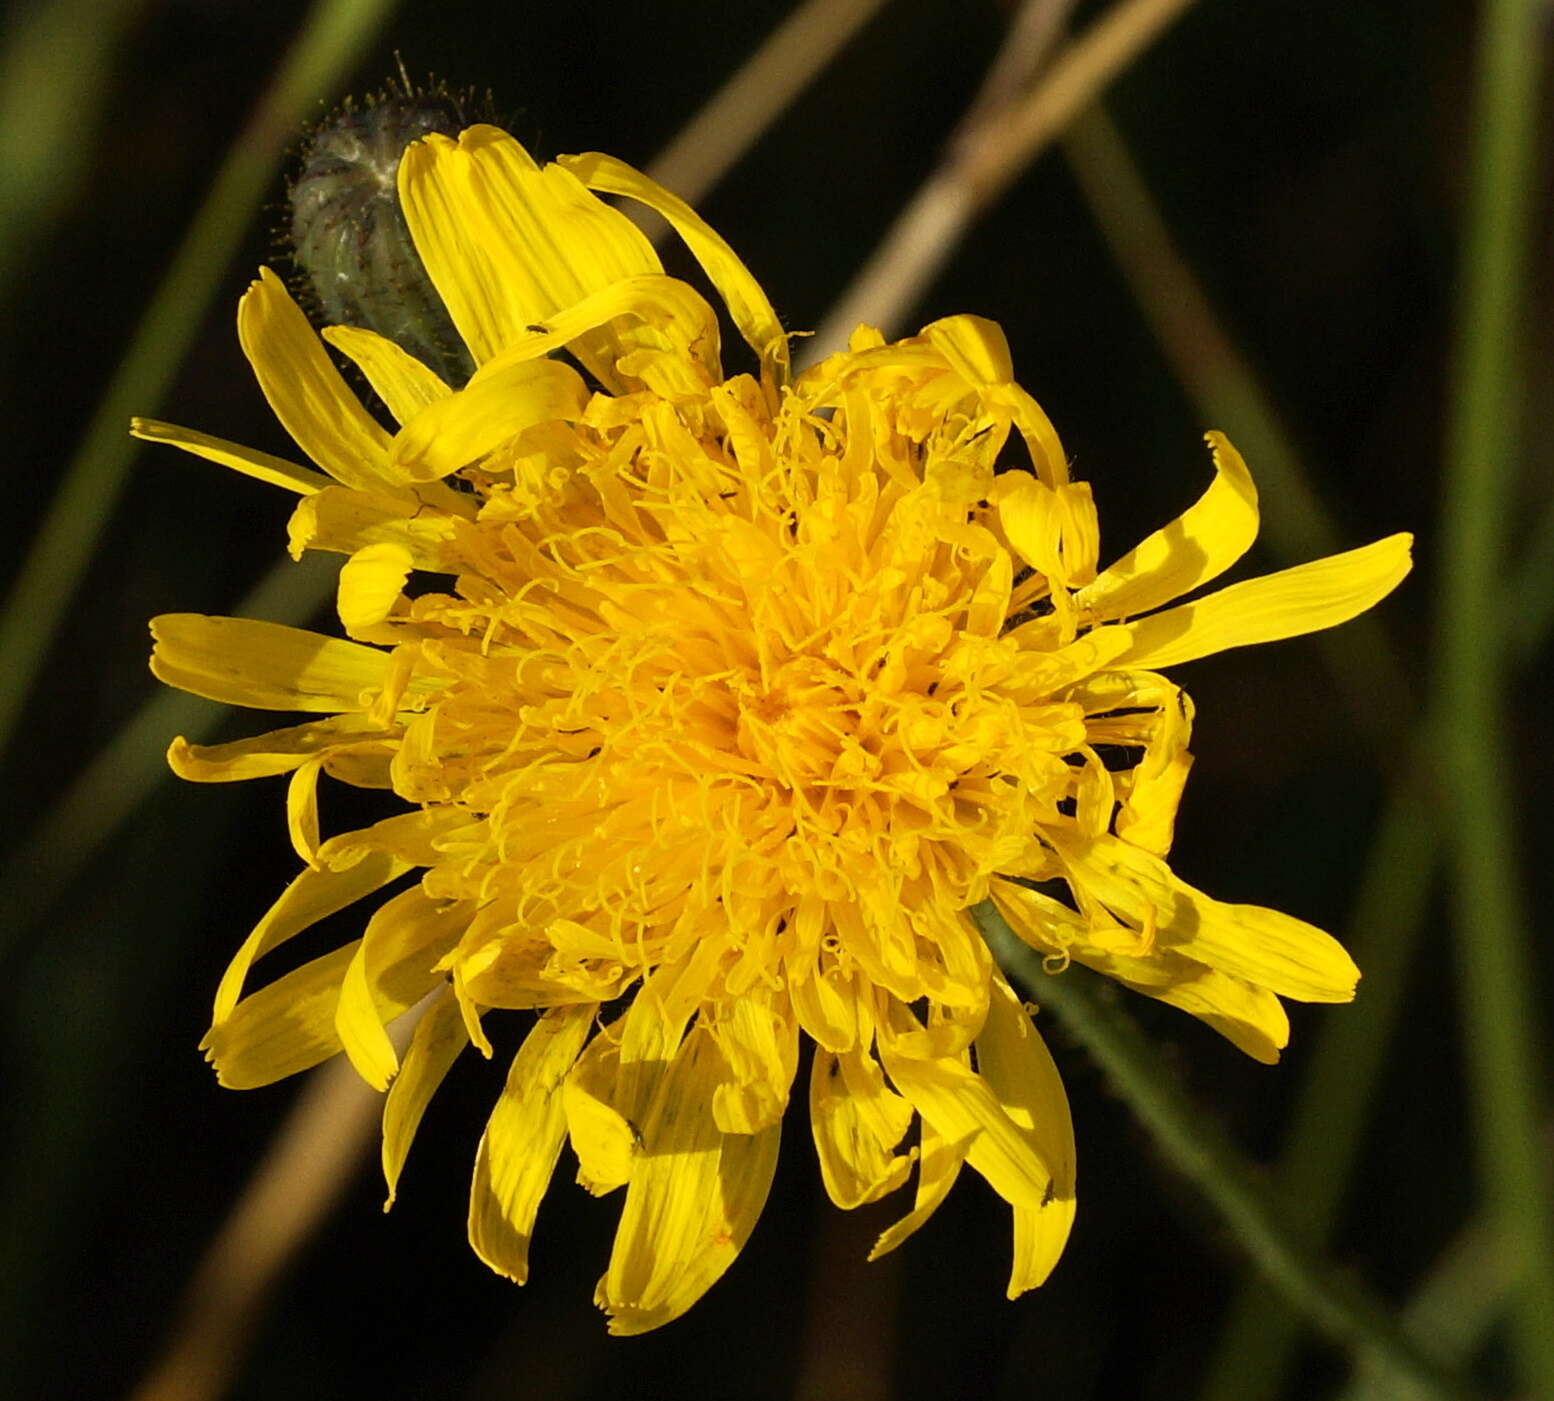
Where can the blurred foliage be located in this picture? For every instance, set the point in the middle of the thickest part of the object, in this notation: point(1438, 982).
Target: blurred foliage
point(1307, 158)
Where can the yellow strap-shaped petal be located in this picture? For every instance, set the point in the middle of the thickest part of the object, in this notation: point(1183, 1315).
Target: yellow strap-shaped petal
point(976, 349)
point(694, 1197)
point(604, 1140)
point(1016, 1064)
point(394, 968)
point(265, 755)
point(305, 391)
point(747, 304)
point(400, 380)
point(961, 1105)
point(1039, 1238)
point(251, 463)
point(1304, 599)
point(1200, 545)
point(938, 1165)
point(668, 315)
point(857, 1122)
point(302, 809)
point(371, 582)
point(266, 666)
point(308, 899)
point(1147, 817)
point(759, 1039)
point(438, 1038)
point(344, 520)
point(494, 408)
point(411, 837)
point(283, 1029)
point(507, 243)
point(1251, 1018)
point(522, 1141)
point(1266, 947)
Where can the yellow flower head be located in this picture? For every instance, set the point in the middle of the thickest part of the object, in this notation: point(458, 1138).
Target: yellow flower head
point(716, 703)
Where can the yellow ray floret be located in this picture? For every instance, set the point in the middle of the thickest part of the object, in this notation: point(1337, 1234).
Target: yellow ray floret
point(713, 703)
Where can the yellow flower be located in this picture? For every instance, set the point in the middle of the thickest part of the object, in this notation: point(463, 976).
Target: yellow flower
point(741, 691)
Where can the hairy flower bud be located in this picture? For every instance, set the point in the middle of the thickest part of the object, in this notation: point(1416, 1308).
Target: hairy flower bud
point(349, 236)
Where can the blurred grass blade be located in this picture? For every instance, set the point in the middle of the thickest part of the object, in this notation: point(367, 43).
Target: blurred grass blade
point(54, 78)
point(735, 117)
point(1500, 1039)
point(311, 1160)
point(986, 157)
point(1459, 1301)
point(45, 586)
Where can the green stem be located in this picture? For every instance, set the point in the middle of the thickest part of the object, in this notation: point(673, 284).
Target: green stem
point(1337, 1305)
point(48, 578)
point(1490, 920)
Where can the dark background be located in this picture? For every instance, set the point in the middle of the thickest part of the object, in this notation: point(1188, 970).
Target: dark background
point(1309, 159)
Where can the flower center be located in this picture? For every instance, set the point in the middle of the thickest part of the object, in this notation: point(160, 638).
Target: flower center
point(800, 724)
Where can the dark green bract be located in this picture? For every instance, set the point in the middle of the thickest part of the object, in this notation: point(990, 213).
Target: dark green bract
point(349, 236)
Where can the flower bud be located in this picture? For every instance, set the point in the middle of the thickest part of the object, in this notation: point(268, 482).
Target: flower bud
point(348, 234)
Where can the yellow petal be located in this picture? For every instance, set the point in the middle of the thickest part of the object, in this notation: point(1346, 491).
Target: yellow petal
point(308, 899)
point(251, 463)
point(961, 1105)
point(439, 1037)
point(394, 968)
point(267, 666)
point(857, 1122)
point(759, 1040)
point(939, 1162)
point(975, 348)
point(825, 1004)
point(1251, 1018)
point(411, 837)
point(1017, 1066)
point(1052, 528)
point(1200, 545)
point(496, 407)
point(663, 314)
point(1304, 599)
point(747, 304)
point(1019, 1069)
point(370, 584)
point(302, 809)
point(1039, 1238)
point(344, 520)
point(694, 1197)
point(400, 380)
point(305, 391)
point(279, 751)
point(1267, 948)
point(1147, 817)
point(604, 1140)
point(522, 1141)
point(507, 243)
point(284, 1028)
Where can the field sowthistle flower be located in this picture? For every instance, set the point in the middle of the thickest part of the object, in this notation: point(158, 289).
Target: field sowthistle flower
point(712, 703)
